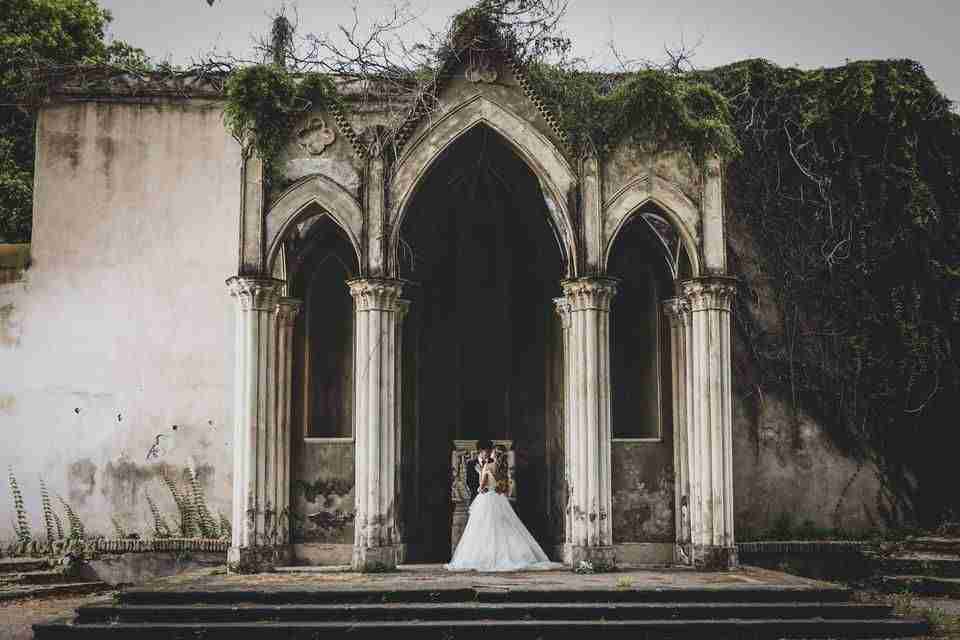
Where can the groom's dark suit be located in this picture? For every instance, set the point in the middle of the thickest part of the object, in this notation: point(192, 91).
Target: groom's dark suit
point(473, 476)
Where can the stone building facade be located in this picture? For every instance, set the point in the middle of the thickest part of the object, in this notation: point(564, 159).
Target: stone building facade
point(316, 348)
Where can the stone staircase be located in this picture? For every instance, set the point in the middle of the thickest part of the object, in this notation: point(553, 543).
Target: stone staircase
point(721, 613)
point(34, 577)
point(927, 566)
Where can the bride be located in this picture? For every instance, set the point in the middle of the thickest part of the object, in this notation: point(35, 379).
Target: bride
point(495, 538)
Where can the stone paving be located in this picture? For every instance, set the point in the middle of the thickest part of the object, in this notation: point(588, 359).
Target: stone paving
point(419, 577)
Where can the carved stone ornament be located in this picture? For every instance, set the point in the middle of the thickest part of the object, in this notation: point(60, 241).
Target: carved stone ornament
point(315, 136)
point(481, 72)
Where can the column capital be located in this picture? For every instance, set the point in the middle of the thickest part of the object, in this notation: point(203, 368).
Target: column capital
point(590, 292)
point(562, 307)
point(255, 292)
point(378, 293)
point(709, 292)
point(287, 311)
point(677, 311)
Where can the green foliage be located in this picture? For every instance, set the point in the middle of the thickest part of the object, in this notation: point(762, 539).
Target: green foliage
point(650, 109)
point(77, 532)
point(160, 527)
point(264, 102)
point(226, 529)
point(849, 182)
point(50, 520)
point(36, 36)
point(205, 522)
point(185, 508)
point(22, 524)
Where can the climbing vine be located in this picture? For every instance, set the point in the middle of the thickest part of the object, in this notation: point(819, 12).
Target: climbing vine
point(264, 102)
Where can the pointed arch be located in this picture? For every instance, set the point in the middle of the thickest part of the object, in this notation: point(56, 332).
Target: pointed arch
point(295, 204)
point(682, 213)
point(557, 179)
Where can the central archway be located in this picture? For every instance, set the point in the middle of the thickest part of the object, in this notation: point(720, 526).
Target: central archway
point(482, 346)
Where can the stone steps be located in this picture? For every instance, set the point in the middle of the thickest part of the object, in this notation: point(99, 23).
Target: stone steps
point(17, 592)
point(922, 585)
point(935, 544)
point(464, 629)
point(937, 565)
point(486, 611)
point(22, 565)
point(722, 612)
point(33, 577)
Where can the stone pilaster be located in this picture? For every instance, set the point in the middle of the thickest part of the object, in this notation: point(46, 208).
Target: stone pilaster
point(287, 311)
point(587, 386)
point(710, 420)
point(677, 311)
point(378, 314)
point(563, 310)
point(255, 541)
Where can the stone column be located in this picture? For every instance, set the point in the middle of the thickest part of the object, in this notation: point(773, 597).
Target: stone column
point(563, 310)
point(378, 313)
point(677, 311)
point(587, 387)
point(710, 420)
point(287, 311)
point(254, 545)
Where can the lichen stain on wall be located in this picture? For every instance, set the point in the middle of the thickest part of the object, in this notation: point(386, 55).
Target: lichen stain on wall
point(82, 480)
point(322, 494)
point(10, 327)
point(8, 402)
point(643, 498)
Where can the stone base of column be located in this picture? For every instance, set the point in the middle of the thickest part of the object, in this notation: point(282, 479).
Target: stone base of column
point(712, 558)
point(374, 559)
point(257, 559)
point(601, 558)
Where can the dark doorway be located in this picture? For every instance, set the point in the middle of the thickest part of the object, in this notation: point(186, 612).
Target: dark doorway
point(482, 344)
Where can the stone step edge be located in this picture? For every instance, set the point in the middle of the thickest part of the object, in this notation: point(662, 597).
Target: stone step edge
point(720, 594)
point(22, 592)
point(430, 624)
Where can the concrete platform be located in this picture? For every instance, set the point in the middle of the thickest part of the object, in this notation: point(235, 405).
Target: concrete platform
point(435, 577)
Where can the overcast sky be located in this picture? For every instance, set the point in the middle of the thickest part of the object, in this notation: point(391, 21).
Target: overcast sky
point(805, 33)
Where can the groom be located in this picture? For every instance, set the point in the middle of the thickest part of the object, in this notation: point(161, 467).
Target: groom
point(484, 447)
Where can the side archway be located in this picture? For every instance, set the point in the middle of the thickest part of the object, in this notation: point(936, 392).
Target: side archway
point(676, 207)
point(294, 205)
point(557, 179)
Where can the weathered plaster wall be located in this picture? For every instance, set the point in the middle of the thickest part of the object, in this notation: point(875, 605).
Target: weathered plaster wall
point(117, 344)
point(786, 469)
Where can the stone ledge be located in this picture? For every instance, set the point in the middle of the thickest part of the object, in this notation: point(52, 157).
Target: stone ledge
point(801, 546)
point(125, 545)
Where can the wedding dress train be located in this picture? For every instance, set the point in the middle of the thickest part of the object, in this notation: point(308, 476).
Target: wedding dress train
point(495, 539)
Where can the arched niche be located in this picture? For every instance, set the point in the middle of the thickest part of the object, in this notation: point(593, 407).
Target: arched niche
point(651, 193)
point(303, 201)
point(646, 266)
point(557, 179)
point(320, 258)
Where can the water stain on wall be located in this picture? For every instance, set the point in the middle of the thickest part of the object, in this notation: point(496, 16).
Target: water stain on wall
point(82, 479)
point(9, 328)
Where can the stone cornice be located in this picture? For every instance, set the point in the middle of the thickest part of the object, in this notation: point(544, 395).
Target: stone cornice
point(591, 292)
point(257, 293)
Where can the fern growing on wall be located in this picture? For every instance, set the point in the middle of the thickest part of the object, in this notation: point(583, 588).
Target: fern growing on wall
point(205, 522)
point(76, 525)
point(226, 529)
point(22, 525)
point(185, 507)
point(50, 521)
point(160, 527)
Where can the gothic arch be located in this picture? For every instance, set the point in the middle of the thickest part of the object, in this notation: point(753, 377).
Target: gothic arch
point(294, 203)
point(683, 214)
point(557, 179)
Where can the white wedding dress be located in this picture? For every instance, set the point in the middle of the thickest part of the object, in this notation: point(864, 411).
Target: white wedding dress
point(495, 538)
